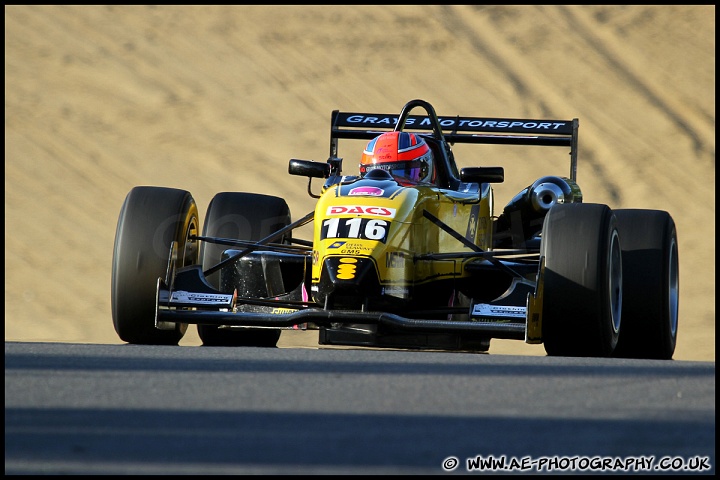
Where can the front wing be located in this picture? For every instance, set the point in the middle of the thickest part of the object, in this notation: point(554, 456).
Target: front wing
point(193, 301)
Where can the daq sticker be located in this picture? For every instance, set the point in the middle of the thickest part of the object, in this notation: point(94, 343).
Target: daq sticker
point(362, 210)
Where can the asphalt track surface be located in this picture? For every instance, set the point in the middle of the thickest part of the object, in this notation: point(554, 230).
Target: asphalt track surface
point(124, 409)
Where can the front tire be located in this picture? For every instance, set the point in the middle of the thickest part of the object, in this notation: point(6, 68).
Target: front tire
point(150, 220)
point(650, 284)
point(242, 216)
point(582, 298)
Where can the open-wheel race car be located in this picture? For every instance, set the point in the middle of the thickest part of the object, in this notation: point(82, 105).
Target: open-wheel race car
point(403, 262)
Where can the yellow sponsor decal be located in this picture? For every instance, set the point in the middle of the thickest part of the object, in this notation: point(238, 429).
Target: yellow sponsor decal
point(281, 311)
point(346, 269)
point(395, 259)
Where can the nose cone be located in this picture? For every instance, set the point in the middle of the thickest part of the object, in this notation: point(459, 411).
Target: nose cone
point(347, 282)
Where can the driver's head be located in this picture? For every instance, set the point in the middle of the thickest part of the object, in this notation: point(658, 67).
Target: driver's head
point(406, 156)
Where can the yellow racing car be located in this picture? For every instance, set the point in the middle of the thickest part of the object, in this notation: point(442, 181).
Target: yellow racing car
point(407, 254)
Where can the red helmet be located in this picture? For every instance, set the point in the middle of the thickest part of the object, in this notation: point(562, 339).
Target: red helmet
point(406, 156)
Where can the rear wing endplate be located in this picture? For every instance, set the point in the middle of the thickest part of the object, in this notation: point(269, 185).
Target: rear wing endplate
point(498, 131)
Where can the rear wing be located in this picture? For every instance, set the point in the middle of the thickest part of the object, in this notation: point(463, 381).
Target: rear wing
point(498, 131)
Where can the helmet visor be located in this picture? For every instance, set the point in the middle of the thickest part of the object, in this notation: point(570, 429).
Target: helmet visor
point(414, 171)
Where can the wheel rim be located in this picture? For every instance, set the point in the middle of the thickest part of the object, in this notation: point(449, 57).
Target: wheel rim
point(190, 245)
point(673, 288)
point(615, 281)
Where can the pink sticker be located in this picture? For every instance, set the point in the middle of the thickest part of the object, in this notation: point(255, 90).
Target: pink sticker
point(373, 191)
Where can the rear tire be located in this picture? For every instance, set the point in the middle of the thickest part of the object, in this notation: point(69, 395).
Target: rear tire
point(582, 298)
point(650, 284)
point(242, 216)
point(151, 218)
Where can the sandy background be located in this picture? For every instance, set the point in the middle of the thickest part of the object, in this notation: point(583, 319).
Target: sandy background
point(103, 98)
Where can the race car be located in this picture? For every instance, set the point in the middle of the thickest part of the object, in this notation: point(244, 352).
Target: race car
point(396, 264)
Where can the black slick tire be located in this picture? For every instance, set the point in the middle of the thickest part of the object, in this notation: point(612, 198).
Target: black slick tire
point(650, 284)
point(151, 219)
point(242, 216)
point(582, 298)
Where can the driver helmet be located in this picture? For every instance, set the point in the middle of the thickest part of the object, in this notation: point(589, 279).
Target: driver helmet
point(406, 156)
